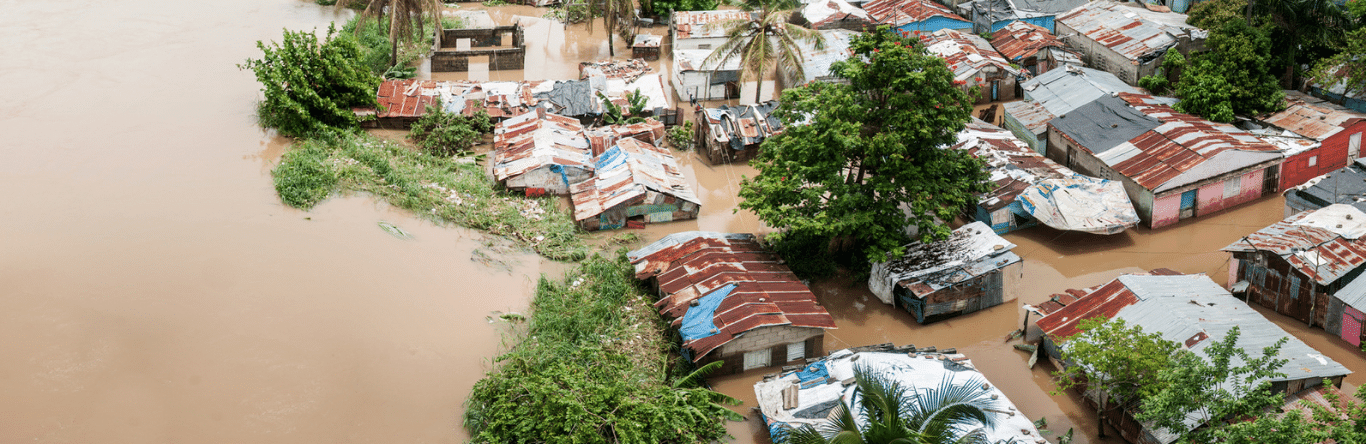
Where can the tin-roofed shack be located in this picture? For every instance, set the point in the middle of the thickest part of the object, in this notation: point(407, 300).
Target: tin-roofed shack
point(701, 29)
point(1194, 312)
point(1335, 129)
point(974, 63)
point(402, 102)
point(1031, 188)
point(732, 300)
point(915, 16)
point(1294, 265)
point(1344, 186)
point(540, 153)
point(807, 396)
point(1055, 93)
point(1125, 39)
point(695, 79)
point(1174, 166)
point(733, 133)
point(971, 270)
point(992, 15)
point(635, 183)
point(835, 14)
point(1032, 47)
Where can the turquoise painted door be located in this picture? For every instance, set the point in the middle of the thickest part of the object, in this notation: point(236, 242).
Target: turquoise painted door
point(1188, 204)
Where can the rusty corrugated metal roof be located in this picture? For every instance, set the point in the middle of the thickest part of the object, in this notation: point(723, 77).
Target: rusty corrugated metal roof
point(824, 12)
point(966, 54)
point(1021, 40)
point(628, 70)
point(742, 126)
point(1014, 165)
point(1124, 29)
point(901, 12)
point(693, 264)
point(537, 139)
point(1324, 244)
point(1059, 300)
point(628, 170)
point(1312, 117)
point(704, 24)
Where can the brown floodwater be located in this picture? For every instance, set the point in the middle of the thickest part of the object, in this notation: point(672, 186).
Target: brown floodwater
point(155, 289)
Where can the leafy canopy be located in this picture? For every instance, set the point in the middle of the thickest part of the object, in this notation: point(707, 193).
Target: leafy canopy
point(1348, 67)
point(1234, 77)
point(309, 85)
point(1120, 362)
point(444, 133)
point(853, 155)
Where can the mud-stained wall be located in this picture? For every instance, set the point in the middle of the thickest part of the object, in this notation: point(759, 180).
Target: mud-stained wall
point(774, 339)
point(449, 59)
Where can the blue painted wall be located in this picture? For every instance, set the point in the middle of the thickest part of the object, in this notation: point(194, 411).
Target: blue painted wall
point(1045, 22)
point(1358, 105)
point(1018, 215)
point(936, 23)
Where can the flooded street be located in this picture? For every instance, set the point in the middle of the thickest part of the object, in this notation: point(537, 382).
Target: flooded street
point(156, 290)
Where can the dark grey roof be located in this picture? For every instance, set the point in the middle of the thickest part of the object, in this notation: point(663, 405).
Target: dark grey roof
point(1104, 123)
point(1344, 186)
point(571, 98)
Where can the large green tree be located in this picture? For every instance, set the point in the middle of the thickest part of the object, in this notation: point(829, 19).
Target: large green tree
point(1233, 77)
point(1302, 30)
point(311, 85)
point(863, 160)
point(891, 413)
point(1228, 385)
point(764, 41)
point(1348, 67)
point(1119, 362)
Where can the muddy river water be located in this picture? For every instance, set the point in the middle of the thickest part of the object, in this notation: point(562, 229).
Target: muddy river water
point(154, 289)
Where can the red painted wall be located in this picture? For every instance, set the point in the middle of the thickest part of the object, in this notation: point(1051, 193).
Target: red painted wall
point(1332, 155)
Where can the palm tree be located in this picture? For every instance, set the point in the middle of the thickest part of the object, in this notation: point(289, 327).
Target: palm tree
point(403, 15)
point(618, 17)
point(763, 40)
point(889, 413)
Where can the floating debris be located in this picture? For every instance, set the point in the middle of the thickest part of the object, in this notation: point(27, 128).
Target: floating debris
point(395, 231)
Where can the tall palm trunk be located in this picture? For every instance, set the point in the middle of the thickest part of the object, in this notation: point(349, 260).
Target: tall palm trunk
point(759, 86)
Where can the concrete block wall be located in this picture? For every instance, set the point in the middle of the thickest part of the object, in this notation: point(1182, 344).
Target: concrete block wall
point(766, 337)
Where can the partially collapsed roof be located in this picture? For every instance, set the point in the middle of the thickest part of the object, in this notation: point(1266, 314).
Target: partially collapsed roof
point(971, 250)
point(742, 126)
point(1081, 203)
point(535, 140)
point(1325, 244)
point(1021, 40)
point(1345, 186)
point(1141, 137)
point(902, 12)
point(1135, 33)
point(1013, 165)
point(966, 54)
point(1060, 91)
point(1194, 312)
point(806, 397)
point(737, 284)
point(629, 170)
point(825, 12)
point(998, 10)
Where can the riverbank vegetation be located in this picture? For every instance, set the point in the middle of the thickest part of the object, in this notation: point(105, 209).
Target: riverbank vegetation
point(440, 188)
point(594, 365)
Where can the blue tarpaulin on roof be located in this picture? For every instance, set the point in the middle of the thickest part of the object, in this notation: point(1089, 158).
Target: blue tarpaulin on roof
point(815, 372)
point(697, 322)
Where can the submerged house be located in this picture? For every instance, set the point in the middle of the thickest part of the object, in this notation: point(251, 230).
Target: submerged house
point(1032, 47)
point(971, 270)
point(974, 62)
point(540, 153)
point(696, 79)
point(1344, 186)
point(1128, 41)
point(635, 183)
point(1335, 133)
point(701, 29)
point(807, 396)
point(1294, 265)
point(1056, 93)
point(1031, 188)
point(1174, 166)
point(915, 16)
point(734, 133)
point(835, 14)
point(992, 15)
point(732, 301)
point(1194, 312)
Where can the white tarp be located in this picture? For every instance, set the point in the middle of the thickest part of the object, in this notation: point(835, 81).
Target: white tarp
point(1080, 203)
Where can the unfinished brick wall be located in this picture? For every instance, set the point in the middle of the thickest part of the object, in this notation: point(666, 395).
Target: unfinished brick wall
point(449, 59)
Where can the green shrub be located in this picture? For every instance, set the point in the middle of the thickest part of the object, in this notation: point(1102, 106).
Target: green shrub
point(305, 176)
point(444, 133)
point(681, 137)
point(309, 85)
point(375, 48)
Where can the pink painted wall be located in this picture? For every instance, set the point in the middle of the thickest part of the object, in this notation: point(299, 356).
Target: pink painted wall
point(1210, 199)
point(1166, 210)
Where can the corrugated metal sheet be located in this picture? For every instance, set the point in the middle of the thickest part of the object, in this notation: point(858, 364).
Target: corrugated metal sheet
point(694, 60)
point(628, 70)
point(1193, 311)
point(1060, 91)
point(1324, 244)
point(1312, 117)
point(826, 12)
point(1081, 203)
point(1019, 40)
point(901, 12)
point(818, 390)
point(992, 11)
point(1182, 149)
point(1126, 30)
point(501, 100)
point(1014, 165)
point(742, 127)
point(816, 62)
point(966, 54)
point(692, 264)
point(704, 24)
point(627, 171)
point(538, 139)
point(972, 250)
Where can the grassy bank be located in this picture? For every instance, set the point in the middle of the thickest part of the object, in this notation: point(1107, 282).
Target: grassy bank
point(593, 365)
point(442, 189)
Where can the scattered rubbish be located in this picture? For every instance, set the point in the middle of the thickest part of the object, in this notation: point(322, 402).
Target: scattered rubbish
point(395, 231)
point(1027, 347)
point(1015, 334)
